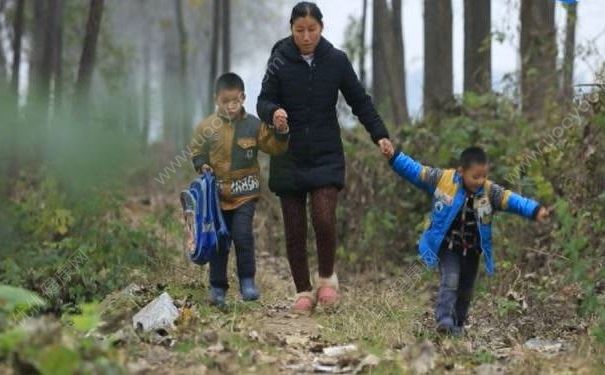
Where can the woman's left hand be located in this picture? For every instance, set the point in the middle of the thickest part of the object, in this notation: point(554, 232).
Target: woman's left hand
point(386, 147)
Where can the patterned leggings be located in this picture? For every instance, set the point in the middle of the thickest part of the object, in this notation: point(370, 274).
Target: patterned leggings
point(323, 216)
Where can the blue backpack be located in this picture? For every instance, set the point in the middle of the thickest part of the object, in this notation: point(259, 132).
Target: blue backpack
point(204, 218)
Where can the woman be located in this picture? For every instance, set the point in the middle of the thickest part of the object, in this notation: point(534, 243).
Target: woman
point(300, 89)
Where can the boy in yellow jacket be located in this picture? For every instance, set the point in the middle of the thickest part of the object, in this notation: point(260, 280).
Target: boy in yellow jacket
point(227, 144)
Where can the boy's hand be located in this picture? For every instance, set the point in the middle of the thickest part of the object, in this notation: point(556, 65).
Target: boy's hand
point(543, 215)
point(280, 118)
point(386, 147)
point(207, 168)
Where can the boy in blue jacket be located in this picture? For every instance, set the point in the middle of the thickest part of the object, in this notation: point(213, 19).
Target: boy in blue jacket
point(464, 201)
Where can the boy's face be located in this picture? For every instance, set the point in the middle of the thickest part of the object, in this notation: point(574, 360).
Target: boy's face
point(230, 102)
point(474, 176)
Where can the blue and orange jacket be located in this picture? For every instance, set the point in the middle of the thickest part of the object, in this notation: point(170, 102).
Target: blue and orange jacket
point(446, 187)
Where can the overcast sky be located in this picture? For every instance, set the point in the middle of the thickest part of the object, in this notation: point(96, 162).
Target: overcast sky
point(505, 58)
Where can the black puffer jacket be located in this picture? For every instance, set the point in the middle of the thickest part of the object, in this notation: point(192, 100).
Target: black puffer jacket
point(309, 94)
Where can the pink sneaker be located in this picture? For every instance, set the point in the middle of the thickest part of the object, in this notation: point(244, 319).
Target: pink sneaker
point(327, 291)
point(304, 303)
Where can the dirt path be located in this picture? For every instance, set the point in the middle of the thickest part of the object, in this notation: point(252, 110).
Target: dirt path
point(377, 329)
point(519, 324)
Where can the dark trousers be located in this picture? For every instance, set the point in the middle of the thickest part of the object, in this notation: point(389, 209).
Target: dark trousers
point(458, 273)
point(239, 223)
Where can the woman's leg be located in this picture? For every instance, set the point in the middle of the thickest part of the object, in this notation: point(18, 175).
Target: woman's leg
point(294, 211)
point(323, 214)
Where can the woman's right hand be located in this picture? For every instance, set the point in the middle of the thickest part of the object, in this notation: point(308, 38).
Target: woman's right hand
point(280, 118)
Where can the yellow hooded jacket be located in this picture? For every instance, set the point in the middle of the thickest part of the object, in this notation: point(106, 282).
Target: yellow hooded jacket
point(230, 148)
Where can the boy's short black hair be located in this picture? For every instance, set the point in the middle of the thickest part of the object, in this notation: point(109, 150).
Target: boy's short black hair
point(472, 155)
point(228, 81)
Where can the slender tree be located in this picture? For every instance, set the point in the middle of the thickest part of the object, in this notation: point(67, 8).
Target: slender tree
point(17, 36)
point(438, 71)
point(184, 117)
point(380, 80)
point(146, 102)
point(226, 34)
point(477, 46)
point(538, 55)
point(171, 90)
point(57, 54)
point(362, 43)
point(36, 66)
point(389, 60)
point(214, 48)
point(46, 68)
point(2, 56)
point(87, 60)
point(569, 53)
point(398, 63)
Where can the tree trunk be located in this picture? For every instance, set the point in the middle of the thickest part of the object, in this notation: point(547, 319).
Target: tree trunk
point(362, 44)
point(3, 77)
point(40, 11)
point(214, 47)
point(226, 33)
point(57, 60)
point(398, 64)
point(87, 60)
point(380, 84)
point(48, 58)
point(391, 66)
point(17, 36)
point(146, 91)
point(184, 119)
point(438, 71)
point(567, 91)
point(538, 55)
point(477, 46)
point(171, 94)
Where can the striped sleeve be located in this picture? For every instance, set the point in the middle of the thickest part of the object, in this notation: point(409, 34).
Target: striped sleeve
point(506, 200)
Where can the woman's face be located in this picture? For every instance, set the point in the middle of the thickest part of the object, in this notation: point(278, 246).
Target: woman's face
point(307, 33)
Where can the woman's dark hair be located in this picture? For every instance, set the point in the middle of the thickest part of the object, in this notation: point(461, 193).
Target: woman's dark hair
point(304, 9)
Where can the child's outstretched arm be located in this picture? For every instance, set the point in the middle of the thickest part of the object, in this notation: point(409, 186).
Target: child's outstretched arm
point(506, 200)
point(421, 176)
point(273, 140)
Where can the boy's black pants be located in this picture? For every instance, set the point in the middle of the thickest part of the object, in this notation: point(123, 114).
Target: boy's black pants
point(458, 273)
point(239, 223)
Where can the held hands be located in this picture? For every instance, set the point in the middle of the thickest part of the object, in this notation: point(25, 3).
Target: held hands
point(386, 148)
point(543, 215)
point(280, 120)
